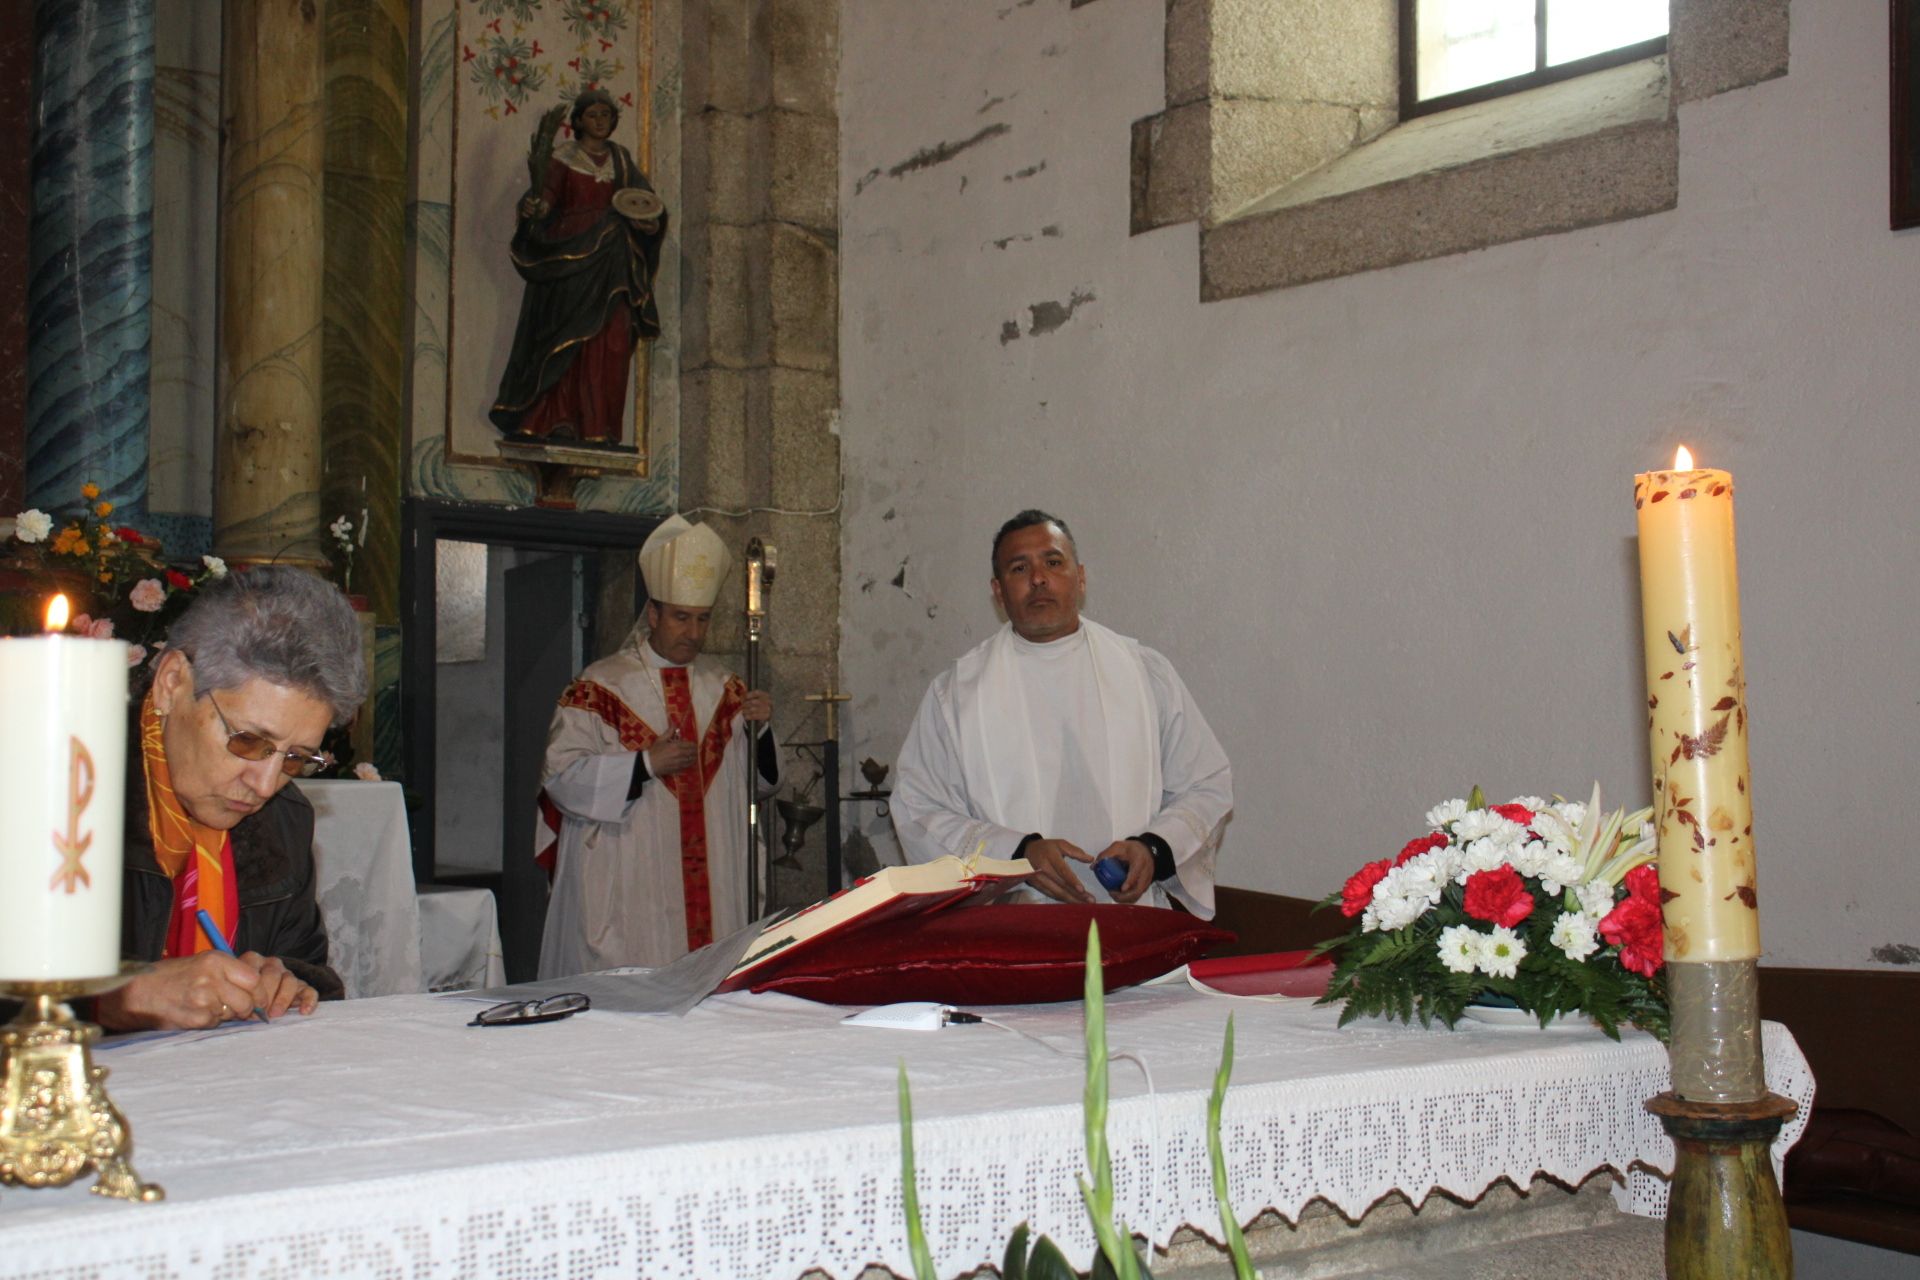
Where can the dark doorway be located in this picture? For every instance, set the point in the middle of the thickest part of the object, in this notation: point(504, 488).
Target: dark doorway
point(502, 608)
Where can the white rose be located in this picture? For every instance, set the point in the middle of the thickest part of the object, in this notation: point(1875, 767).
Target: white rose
point(216, 567)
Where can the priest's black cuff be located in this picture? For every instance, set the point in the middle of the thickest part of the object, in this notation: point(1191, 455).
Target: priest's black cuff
point(769, 760)
point(1020, 850)
point(640, 775)
point(1163, 867)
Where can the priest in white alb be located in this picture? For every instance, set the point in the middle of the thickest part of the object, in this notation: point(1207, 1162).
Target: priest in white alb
point(643, 813)
point(1059, 741)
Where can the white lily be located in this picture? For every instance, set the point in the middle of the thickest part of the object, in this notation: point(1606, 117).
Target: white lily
point(1601, 845)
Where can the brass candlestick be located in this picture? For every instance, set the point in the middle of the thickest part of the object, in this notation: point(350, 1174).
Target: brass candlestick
point(56, 1120)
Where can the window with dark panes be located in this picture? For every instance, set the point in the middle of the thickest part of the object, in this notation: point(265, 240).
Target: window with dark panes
point(1453, 52)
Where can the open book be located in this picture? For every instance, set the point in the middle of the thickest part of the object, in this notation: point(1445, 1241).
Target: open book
point(892, 893)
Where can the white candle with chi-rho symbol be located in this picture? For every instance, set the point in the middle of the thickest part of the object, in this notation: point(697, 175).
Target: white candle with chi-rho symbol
point(63, 761)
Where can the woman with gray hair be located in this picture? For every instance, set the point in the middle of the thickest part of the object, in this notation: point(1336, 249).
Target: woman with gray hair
point(253, 675)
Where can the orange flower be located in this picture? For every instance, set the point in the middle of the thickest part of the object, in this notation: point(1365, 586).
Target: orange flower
point(89, 491)
point(103, 509)
point(70, 541)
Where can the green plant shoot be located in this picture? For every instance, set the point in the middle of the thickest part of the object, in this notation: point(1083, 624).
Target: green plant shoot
point(1229, 1224)
point(909, 1189)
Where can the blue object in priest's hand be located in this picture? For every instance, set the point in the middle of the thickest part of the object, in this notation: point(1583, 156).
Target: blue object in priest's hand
point(1110, 872)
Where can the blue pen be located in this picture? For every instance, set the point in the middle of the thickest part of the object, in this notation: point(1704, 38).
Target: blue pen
point(221, 945)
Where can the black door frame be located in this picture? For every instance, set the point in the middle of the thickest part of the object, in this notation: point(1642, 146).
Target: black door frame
point(423, 521)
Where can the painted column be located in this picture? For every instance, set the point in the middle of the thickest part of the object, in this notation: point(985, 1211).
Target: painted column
point(363, 401)
point(90, 255)
point(266, 501)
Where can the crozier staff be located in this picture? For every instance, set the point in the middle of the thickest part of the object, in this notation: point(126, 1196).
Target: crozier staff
point(641, 824)
point(255, 673)
point(1059, 741)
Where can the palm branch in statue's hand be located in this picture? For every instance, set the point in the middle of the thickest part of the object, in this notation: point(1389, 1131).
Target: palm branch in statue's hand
point(540, 154)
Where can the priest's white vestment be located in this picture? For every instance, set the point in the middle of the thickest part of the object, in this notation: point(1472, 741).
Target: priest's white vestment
point(1091, 738)
point(633, 885)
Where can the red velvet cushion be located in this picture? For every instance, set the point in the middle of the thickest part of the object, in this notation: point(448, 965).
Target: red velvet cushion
point(1000, 953)
point(1274, 973)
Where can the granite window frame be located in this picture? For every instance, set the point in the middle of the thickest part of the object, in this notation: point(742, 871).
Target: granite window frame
point(1282, 138)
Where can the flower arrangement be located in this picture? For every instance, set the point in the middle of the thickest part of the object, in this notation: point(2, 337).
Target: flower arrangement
point(1553, 907)
point(118, 582)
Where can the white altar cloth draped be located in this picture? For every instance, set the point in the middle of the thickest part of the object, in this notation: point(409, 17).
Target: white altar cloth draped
point(756, 1138)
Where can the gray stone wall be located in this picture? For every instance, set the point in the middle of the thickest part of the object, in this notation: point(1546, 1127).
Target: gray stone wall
point(760, 349)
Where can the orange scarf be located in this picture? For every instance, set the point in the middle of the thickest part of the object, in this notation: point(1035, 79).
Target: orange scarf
point(198, 859)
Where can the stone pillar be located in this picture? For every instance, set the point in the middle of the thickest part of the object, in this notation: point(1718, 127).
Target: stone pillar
point(91, 253)
point(266, 500)
point(760, 389)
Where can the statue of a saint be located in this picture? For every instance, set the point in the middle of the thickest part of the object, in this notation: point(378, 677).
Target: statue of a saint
point(588, 244)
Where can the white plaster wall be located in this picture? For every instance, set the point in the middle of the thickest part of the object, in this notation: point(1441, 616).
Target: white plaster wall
point(1383, 524)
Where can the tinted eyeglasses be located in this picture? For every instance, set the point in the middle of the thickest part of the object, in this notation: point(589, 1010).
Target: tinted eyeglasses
point(251, 746)
point(515, 1013)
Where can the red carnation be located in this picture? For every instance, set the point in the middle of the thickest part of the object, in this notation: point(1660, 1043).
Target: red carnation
point(1514, 813)
point(1358, 892)
point(180, 581)
point(130, 536)
point(1644, 882)
point(1498, 896)
point(1634, 927)
point(1414, 848)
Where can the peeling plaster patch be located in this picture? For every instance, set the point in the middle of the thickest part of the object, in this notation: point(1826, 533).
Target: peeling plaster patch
point(890, 514)
point(1027, 172)
point(1048, 316)
point(933, 611)
point(989, 105)
point(938, 153)
point(1052, 230)
point(1004, 241)
point(1009, 330)
point(1896, 953)
point(866, 584)
point(1010, 8)
point(1053, 51)
point(900, 579)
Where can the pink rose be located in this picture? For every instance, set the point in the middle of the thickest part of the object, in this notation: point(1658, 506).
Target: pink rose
point(136, 654)
point(147, 595)
point(366, 772)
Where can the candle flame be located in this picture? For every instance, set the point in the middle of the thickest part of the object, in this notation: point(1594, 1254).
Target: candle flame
point(1683, 459)
point(57, 612)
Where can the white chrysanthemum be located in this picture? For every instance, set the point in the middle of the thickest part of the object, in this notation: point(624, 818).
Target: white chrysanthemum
point(1574, 812)
point(216, 567)
point(1477, 824)
point(1501, 952)
point(1460, 948)
point(32, 525)
point(1395, 909)
point(1596, 897)
point(1573, 933)
point(1529, 858)
point(1449, 811)
point(1561, 869)
point(1533, 804)
point(1485, 854)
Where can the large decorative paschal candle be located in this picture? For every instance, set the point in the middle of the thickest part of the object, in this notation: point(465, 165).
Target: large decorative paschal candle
point(63, 760)
point(1697, 712)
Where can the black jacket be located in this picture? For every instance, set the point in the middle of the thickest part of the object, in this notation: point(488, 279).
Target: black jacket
point(273, 871)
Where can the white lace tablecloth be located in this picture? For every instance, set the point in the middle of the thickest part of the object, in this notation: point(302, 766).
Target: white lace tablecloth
point(756, 1138)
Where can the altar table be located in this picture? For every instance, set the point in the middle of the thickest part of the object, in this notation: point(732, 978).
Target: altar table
point(757, 1138)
